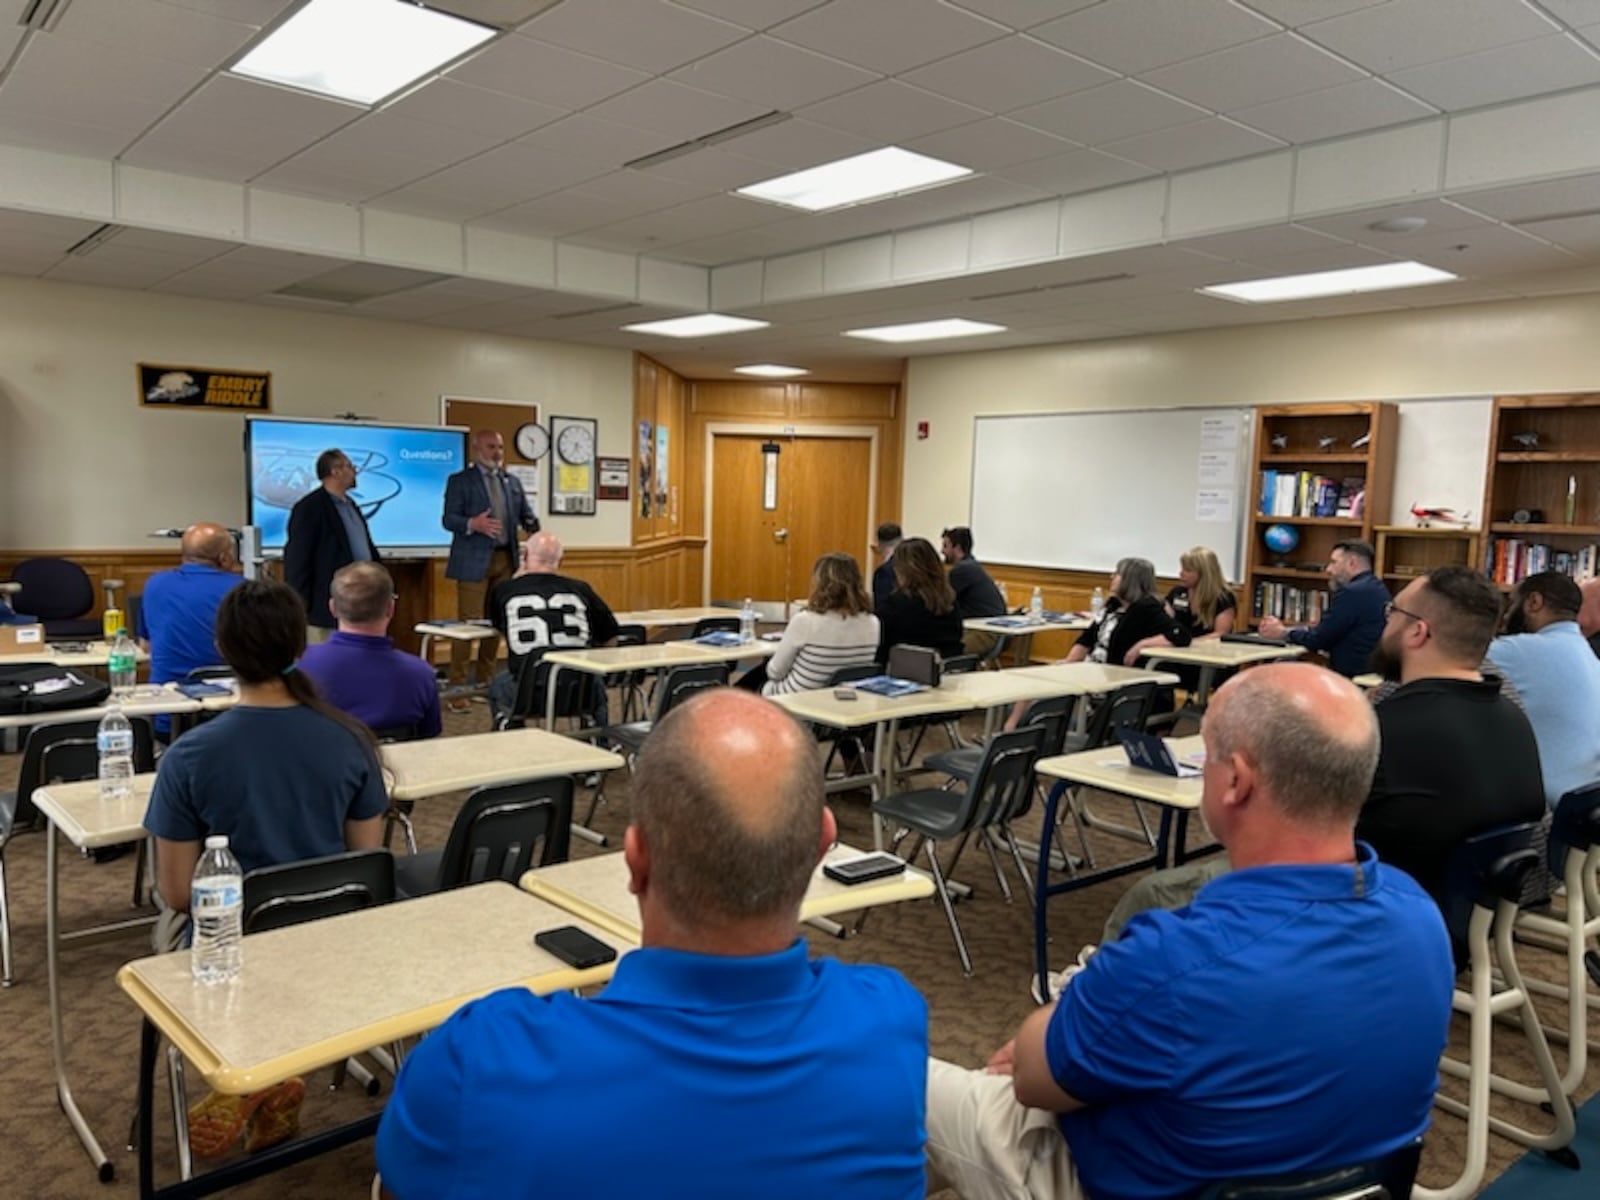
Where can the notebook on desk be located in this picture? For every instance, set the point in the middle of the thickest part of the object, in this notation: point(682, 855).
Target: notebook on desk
point(1149, 752)
point(887, 685)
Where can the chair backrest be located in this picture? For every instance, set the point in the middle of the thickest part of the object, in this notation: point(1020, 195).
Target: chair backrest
point(275, 897)
point(201, 674)
point(396, 733)
point(1002, 786)
point(498, 830)
point(1388, 1178)
point(632, 635)
point(1482, 871)
point(960, 664)
point(53, 589)
point(850, 674)
point(1575, 826)
point(575, 690)
point(683, 682)
point(707, 625)
point(1129, 707)
point(68, 752)
point(1054, 716)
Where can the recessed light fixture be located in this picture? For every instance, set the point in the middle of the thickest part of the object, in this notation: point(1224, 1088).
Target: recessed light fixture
point(771, 371)
point(360, 50)
point(1399, 225)
point(875, 175)
point(1330, 283)
point(926, 331)
point(700, 325)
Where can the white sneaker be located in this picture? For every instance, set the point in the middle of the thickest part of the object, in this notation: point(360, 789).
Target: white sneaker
point(1059, 979)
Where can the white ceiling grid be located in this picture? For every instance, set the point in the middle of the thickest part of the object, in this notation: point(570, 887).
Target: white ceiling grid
point(1102, 130)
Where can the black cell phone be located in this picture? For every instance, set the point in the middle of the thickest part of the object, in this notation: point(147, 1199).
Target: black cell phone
point(574, 947)
point(878, 865)
point(844, 693)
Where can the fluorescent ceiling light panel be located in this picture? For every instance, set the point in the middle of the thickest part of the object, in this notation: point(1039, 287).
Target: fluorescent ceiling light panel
point(360, 50)
point(701, 325)
point(771, 371)
point(876, 175)
point(1330, 283)
point(926, 331)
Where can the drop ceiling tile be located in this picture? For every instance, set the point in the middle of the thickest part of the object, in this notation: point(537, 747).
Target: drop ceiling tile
point(975, 194)
point(1023, 14)
point(139, 30)
point(990, 145)
point(1197, 144)
point(1295, 13)
point(1254, 73)
point(1078, 171)
point(1573, 12)
point(1579, 194)
point(495, 116)
point(1267, 241)
point(545, 74)
point(795, 144)
point(248, 12)
point(1581, 235)
point(189, 250)
point(773, 74)
point(642, 191)
point(687, 222)
point(40, 132)
point(1489, 249)
point(47, 232)
point(1357, 226)
point(677, 112)
point(343, 185)
point(752, 14)
point(87, 81)
point(729, 248)
point(1134, 36)
point(713, 170)
point(586, 141)
point(1109, 113)
point(1408, 33)
point(1008, 74)
point(1554, 283)
point(560, 214)
point(890, 112)
point(1529, 68)
point(649, 35)
point(1333, 112)
point(890, 36)
point(494, 180)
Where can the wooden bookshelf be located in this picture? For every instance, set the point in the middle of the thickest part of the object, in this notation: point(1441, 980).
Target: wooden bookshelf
point(1533, 480)
point(1407, 551)
point(1302, 431)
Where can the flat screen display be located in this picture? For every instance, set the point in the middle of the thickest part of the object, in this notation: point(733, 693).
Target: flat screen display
point(400, 476)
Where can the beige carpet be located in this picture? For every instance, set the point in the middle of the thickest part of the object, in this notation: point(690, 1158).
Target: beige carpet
point(40, 1158)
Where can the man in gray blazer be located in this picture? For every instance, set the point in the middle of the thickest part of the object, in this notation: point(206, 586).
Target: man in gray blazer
point(483, 509)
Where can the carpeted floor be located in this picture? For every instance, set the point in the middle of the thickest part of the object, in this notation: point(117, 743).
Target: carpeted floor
point(40, 1158)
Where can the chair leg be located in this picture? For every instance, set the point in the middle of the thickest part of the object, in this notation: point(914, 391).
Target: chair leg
point(180, 1111)
point(141, 858)
point(1022, 867)
point(5, 925)
point(943, 891)
point(994, 861)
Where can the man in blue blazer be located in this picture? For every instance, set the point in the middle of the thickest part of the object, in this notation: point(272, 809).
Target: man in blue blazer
point(326, 531)
point(483, 509)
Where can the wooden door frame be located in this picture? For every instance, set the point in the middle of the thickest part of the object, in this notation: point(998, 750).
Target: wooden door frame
point(774, 429)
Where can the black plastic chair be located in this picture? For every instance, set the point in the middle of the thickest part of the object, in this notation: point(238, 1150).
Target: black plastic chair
point(679, 684)
point(577, 695)
point(1001, 791)
point(630, 684)
point(956, 664)
point(1054, 716)
point(59, 593)
point(66, 752)
point(399, 812)
point(496, 836)
point(209, 674)
point(707, 625)
point(1387, 1178)
point(843, 739)
point(1129, 707)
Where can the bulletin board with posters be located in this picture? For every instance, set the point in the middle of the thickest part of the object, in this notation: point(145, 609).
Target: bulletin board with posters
point(505, 417)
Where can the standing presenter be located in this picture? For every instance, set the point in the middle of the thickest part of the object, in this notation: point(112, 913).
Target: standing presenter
point(483, 509)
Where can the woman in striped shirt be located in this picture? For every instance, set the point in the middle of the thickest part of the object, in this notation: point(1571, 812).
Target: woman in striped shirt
point(836, 630)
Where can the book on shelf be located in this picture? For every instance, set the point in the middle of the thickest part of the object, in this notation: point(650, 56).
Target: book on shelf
point(1291, 605)
point(1512, 559)
point(1299, 494)
point(1352, 501)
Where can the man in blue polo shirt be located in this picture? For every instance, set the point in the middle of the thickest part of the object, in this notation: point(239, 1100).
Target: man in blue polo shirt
point(358, 668)
point(1353, 621)
point(178, 611)
point(1167, 1062)
point(721, 1061)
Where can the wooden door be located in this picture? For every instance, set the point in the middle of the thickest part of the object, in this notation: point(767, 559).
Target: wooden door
point(823, 504)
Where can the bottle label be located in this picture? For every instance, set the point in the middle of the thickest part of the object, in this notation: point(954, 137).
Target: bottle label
point(121, 662)
point(115, 741)
point(216, 897)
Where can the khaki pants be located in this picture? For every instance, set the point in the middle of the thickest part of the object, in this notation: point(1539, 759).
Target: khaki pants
point(317, 634)
point(470, 599)
point(986, 1146)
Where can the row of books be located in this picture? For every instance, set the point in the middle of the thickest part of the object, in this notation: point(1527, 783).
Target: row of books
point(1290, 604)
point(1512, 559)
point(1307, 494)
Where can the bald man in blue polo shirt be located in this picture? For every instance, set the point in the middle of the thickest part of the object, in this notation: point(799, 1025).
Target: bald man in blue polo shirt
point(1289, 1019)
point(721, 1061)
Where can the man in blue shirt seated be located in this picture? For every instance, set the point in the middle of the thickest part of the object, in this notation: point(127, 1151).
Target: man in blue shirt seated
point(1545, 655)
point(1168, 1061)
point(1353, 621)
point(721, 1061)
point(358, 668)
point(178, 611)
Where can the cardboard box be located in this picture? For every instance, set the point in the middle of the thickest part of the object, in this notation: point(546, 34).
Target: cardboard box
point(21, 639)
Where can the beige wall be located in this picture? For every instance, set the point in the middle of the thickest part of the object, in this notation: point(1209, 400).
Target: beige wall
point(82, 465)
point(1550, 345)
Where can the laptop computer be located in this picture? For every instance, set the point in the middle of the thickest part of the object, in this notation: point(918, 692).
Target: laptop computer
point(1150, 752)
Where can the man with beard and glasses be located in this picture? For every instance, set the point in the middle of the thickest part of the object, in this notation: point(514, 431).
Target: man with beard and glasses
point(1545, 654)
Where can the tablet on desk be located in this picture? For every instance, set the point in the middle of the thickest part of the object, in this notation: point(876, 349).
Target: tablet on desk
point(1149, 752)
point(1254, 639)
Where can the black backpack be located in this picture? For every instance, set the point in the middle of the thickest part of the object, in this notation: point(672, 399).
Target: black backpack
point(47, 689)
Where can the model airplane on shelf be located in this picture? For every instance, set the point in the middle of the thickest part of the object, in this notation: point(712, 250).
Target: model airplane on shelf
point(1528, 441)
point(1361, 442)
point(1327, 443)
point(1428, 517)
point(1280, 441)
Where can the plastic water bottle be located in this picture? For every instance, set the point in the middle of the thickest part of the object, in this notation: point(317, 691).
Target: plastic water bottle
point(1097, 603)
point(115, 742)
point(122, 664)
point(1036, 606)
point(747, 621)
point(216, 904)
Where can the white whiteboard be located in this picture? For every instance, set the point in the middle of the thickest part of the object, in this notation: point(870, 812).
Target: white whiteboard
point(1442, 456)
point(1080, 490)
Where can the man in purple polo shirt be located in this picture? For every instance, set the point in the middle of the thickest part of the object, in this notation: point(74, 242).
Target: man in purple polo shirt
point(358, 669)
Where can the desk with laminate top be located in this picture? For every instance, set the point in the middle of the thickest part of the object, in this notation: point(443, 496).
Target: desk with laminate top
point(1213, 654)
point(434, 766)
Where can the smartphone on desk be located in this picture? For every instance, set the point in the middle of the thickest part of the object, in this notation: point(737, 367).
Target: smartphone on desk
point(574, 947)
point(865, 867)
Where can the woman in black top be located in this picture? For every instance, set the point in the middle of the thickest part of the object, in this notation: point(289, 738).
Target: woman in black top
point(921, 611)
point(1201, 603)
point(1132, 614)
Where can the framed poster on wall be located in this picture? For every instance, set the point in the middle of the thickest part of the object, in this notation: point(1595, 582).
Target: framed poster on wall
point(572, 474)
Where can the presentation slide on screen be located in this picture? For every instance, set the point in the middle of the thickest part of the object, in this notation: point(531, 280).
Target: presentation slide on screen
point(400, 476)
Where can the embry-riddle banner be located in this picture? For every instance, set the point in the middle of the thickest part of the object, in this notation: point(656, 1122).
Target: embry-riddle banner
point(162, 386)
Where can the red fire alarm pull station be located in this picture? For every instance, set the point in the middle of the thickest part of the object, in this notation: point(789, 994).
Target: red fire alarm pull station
point(922, 431)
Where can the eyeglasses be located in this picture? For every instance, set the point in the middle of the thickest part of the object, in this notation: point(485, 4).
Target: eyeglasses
point(1391, 608)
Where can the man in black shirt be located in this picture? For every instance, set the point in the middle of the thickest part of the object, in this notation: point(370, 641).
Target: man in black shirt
point(976, 593)
point(1458, 757)
point(538, 610)
point(889, 536)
